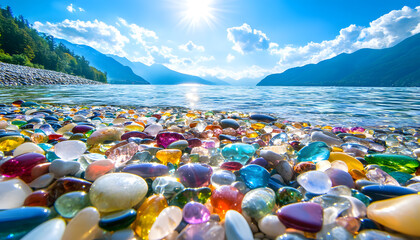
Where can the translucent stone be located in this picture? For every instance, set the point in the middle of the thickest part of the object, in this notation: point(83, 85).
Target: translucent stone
point(226, 198)
point(84, 226)
point(10, 142)
point(27, 147)
point(397, 162)
point(315, 182)
point(180, 144)
point(123, 154)
point(340, 165)
point(314, 152)
point(147, 214)
point(42, 181)
point(205, 231)
point(222, 177)
point(200, 195)
point(238, 152)
point(13, 193)
point(236, 226)
point(165, 138)
point(118, 220)
point(167, 186)
point(98, 169)
point(302, 216)
point(153, 129)
point(50, 230)
point(377, 235)
point(195, 213)
point(339, 177)
point(117, 191)
point(70, 150)
point(326, 137)
point(62, 168)
point(69, 204)
point(352, 163)
point(21, 166)
point(169, 156)
point(195, 175)
point(258, 202)
point(271, 226)
point(379, 176)
point(287, 195)
point(166, 222)
point(254, 176)
point(147, 170)
point(323, 165)
point(67, 184)
point(340, 191)
point(400, 214)
point(104, 134)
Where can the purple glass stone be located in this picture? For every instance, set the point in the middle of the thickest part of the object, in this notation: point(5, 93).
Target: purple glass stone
point(136, 134)
point(147, 170)
point(340, 177)
point(82, 129)
point(195, 175)
point(165, 138)
point(209, 144)
point(195, 213)
point(194, 142)
point(260, 161)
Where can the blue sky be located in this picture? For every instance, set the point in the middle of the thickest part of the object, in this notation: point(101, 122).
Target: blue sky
point(229, 39)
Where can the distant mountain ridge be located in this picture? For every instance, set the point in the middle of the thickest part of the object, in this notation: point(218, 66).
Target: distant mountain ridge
point(116, 72)
point(398, 66)
point(158, 74)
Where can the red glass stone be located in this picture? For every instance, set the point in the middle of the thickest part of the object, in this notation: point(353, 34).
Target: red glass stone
point(54, 136)
point(231, 166)
point(226, 198)
point(21, 166)
point(39, 198)
point(68, 184)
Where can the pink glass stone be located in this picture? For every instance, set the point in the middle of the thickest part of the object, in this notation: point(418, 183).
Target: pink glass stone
point(195, 175)
point(195, 213)
point(123, 154)
point(137, 134)
point(21, 166)
point(209, 144)
point(302, 216)
point(166, 138)
point(82, 129)
point(194, 142)
point(231, 166)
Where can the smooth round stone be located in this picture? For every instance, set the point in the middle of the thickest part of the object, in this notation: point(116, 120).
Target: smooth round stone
point(204, 231)
point(84, 226)
point(236, 226)
point(200, 195)
point(314, 152)
point(13, 193)
point(279, 139)
point(69, 204)
point(340, 177)
point(98, 169)
point(225, 198)
point(258, 202)
point(194, 142)
point(195, 213)
point(377, 235)
point(397, 162)
point(27, 147)
point(315, 182)
point(382, 192)
point(262, 118)
point(147, 170)
point(66, 128)
point(50, 230)
point(169, 156)
point(352, 163)
point(229, 123)
point(68, 184)
point(153, 129)
point(255, 176)
point(21, 166)
point(238, 152)
point(39, 198)
point(118, 220)
point(259, 161)
point(16, 222)
point(135, 134)
point(61, 168)
point(10, 141)
point(82, 129)
point(303, 167)
point(167, 221)
point(302, 216)
point(70, 150)
point(147, 214)
point(271, 226)
point(195, 175)
point(400, 214)
point(328, 138)
point(167, 186)
point(180, 144)
point(285, 170)
point(231, 166)
point(222, 177)
point(117, 191)
point(288, 195)
point(42, 181)
point(40, 169)
point(165, 138)
point(104, 134)
point(124, 234)
point(122, 154)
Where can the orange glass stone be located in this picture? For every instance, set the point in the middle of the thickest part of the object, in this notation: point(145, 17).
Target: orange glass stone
point(169, 155)
point(226, 198)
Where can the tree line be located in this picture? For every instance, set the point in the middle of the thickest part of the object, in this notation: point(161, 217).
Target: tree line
point(21, 44)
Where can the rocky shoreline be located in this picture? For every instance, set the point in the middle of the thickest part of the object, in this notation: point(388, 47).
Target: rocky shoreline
point(16, 75)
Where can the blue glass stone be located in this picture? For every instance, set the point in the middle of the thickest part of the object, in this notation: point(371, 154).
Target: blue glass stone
point(366, 223)
point(274, 184)
point(262, 118)
point(14, 223)
point(255, 176)
point(228, 137)
point(118, 220)
point(382, 192)
point(314, 152)
point(238, 152)
point(401, 177)
point(147, 170)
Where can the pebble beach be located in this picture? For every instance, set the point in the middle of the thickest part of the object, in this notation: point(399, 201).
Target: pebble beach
point(108, 172)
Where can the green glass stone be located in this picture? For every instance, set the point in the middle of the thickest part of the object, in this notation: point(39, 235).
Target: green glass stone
point(69, 204)
point(287, 195)
point(200, 195)
point(401, 177)
point(399, 163)
point(194, 158)
point(19, 123)
point(88, 133)
point(362, 197)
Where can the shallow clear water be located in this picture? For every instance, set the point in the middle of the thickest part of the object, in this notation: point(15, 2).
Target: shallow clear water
point(334, 105)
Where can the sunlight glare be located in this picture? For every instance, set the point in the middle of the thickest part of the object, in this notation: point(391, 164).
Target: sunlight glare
point(197, 12)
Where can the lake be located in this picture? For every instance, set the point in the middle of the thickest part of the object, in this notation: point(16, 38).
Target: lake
point(350, 106)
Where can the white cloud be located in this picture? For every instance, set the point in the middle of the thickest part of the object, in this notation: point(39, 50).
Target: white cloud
point(386, 31)
point(190, 46)
point(81, 9)
point(105, 38)
point(70, 8)
point(246, 39)
point(230, 58)
point(140, 34)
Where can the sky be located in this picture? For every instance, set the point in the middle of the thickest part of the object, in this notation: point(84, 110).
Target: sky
point(227, 39)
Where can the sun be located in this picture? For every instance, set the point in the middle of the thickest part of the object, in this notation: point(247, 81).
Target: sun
point(195, 13)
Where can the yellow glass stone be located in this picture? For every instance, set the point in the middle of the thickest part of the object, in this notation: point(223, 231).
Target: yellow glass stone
point(400, 214)
point(327, 128)
point(147, 214)
point(27, 133)
point(257, 126)
point(191, 115)
point(337, 149)
point(251, 134)
point(9, 143)
point(134, 127)
point(169, 155)
point(352, 163)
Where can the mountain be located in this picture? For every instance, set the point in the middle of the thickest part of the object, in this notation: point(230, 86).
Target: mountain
point(398, 66)
point(116, 72)
point(159, 74)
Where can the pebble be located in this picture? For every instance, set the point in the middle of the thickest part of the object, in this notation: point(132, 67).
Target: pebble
point(50, 230)
point(323, 181)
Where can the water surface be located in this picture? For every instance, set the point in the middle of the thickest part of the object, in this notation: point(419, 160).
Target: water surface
point(365, 106)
